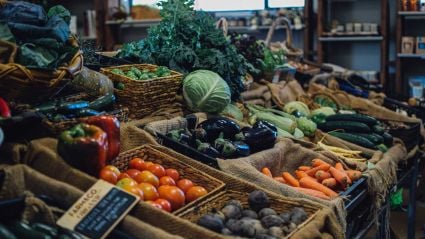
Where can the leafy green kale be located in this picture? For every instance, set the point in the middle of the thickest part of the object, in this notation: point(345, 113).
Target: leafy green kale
point(187, 40)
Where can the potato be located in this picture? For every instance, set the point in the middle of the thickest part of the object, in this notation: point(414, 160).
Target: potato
point(272, 221)
point(266, 212)
point(211, 222)
point(258, 200)
point(249, 213)
point(232, 212)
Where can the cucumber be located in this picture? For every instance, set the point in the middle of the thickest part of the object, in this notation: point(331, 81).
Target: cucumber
point(72, 107)
point(355, 139)
point(374, 138)
point(102, 102)
point(5, 233)
point(353, 117)
point(22, 230)
point(348, 126)
point(378, 129)
point(388, 139)
point(382, 148)
point(46, 229)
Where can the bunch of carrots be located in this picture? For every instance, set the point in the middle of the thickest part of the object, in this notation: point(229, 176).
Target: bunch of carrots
point(321, 179)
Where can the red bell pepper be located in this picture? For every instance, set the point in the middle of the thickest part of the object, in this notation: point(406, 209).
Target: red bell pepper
point(111, 126)
point(4, 109)
point(84, 147)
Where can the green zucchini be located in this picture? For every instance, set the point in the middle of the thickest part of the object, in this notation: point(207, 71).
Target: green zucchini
point(374, 138)
point(355, 139)
point(5, 233)
point(298, 134)
point(348, 126)
point(22, 230)
point(378, 129)
point(102, 102)
point(388, 139)
point(353, 117)
point(46, 229)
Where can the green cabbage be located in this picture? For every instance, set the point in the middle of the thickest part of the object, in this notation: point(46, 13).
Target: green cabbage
point(206, 91)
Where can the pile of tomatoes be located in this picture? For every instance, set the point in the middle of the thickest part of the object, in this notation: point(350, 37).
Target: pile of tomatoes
point(162, 188)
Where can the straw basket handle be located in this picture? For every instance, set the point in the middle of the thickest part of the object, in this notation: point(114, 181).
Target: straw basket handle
point(280, 20)
point(223, 25)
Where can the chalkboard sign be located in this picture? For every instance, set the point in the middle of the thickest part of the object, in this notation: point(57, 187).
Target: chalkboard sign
point(98, 211)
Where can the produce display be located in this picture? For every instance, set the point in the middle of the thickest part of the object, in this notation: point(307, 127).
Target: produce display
point(319, 179)
point(220, 137)
point(186, 40)
point(144, 74)
point(256, 220)
point(358, 129)
point(251, 49)
point(159, 186)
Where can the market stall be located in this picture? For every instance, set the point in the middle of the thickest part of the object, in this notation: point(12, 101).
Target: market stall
point(191, 132)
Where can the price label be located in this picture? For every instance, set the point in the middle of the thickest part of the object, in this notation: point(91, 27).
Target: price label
point(98, 211)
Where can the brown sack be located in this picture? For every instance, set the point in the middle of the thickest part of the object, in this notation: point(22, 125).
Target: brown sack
point(21, 180)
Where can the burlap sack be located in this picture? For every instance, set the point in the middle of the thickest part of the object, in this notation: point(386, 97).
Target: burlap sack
point(267, 94)
point(21, 180)
point(323, 225)
point(286, 156)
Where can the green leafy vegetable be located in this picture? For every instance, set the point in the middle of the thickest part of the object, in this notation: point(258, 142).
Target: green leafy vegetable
point(206, 91)
point(187, 40)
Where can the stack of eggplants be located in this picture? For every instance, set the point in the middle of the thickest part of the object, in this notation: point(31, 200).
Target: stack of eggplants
point(222, 137)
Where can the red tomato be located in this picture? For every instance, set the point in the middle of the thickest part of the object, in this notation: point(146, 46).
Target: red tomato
point(147, 177)
point(154, 204)
point(134, 190)
point(194, 193)
point(166, 205)
point(113, 169)
point(126, 182)
point(172, 194)
point(133, 173)
point(147, 165)
point(149, 191)
point(184, 184)
point(157, 169)
point(123, 175)
point(108, 176)
point(167, 180)
point(137, 163)
point(173, 174)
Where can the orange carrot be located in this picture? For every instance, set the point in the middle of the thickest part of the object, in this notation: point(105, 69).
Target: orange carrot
point(312, 172)
point(308, 183)
point(304, 168)
point(339, 166)
point(329, 182)
point(322, 175)
point(312, 192)
point(318, 162)
point(300, 174)
point(280, 179)
point(290, 179)
point(266, 171)
point(354, 174)
point(340, 176)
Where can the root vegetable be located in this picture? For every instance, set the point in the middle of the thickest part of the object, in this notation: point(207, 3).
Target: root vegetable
point(308, 183)
point(322, 175)
point(312, 172)
point(312, 192)
point(290, 179)
point(330, 183)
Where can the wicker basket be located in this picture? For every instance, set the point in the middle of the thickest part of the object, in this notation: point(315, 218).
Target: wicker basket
point(20, 84)
point(279, 204)
point(211, 184)
point(147, 96)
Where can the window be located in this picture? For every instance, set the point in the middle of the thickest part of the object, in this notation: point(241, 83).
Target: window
point(285, 3)
point(229, 5)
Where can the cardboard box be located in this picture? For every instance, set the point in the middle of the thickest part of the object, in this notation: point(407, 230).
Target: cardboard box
point(407, 45)
point(420, 45)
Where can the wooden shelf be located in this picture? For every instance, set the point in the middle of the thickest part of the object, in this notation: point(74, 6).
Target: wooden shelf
point(411, 13)
point(414, 56)
point(250, 28)
point(134, 23)
point(351, 39)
